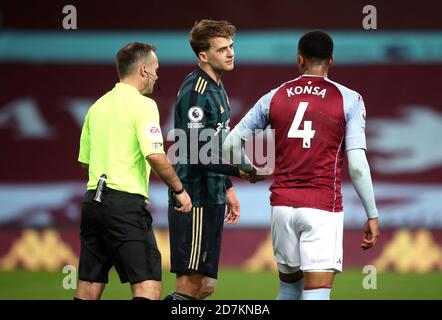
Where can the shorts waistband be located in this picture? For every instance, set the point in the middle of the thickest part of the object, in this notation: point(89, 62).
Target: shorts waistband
point(112, 192)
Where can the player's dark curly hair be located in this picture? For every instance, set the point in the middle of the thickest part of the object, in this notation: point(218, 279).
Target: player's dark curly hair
point(129, 55)
point(316, 45)
point(205, 30)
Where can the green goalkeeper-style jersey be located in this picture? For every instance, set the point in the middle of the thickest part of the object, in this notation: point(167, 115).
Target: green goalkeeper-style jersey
point(202, 116)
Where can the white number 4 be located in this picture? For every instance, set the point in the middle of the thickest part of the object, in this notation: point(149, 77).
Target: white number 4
point(307, 133)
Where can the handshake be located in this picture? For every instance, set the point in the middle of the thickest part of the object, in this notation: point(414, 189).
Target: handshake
point(255, 174)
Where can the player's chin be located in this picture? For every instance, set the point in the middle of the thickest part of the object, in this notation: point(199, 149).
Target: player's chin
point(229, 66)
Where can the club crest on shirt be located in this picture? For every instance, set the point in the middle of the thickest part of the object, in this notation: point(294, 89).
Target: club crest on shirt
point(196, 114)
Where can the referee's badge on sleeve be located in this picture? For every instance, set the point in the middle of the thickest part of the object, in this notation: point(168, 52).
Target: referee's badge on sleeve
point(157, 145)
point(154, 132)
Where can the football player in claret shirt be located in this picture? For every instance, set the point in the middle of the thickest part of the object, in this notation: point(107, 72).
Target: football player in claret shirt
point(315, 122)
point(202, 114)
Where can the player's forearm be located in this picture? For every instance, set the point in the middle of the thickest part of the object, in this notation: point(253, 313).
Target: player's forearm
point(229, 183)
point(222, 168)
point(234, 147)
point(361, 179)
point(164, 170)
point(217, 165)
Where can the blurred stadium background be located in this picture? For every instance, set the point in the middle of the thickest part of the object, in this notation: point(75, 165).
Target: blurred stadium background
point(50, 76)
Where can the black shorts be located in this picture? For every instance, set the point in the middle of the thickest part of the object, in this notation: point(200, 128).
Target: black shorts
point(195, 239)
point(118, 232)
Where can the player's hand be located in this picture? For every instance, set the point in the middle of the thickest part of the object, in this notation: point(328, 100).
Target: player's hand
point(263, 171)
point(251, 176)
point(233, 207)
point(371, 234)
point(185, 201)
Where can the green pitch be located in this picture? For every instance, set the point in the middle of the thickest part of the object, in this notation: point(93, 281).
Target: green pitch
point(233, 284)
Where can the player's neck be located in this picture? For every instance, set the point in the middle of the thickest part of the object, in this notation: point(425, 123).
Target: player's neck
point(316, 71)
point(216, 76)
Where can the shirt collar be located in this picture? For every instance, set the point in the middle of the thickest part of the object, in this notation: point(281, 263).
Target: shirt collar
point(313, 76)
point(203, 74)
point(127, 87)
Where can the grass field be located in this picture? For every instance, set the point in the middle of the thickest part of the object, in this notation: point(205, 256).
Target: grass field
point(233, 284)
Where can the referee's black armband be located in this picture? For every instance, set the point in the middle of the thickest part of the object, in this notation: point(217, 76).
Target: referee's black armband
point(229, 183)
point(226, 169)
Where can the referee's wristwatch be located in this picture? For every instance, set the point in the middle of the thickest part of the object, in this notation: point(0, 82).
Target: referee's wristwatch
point(178, 192)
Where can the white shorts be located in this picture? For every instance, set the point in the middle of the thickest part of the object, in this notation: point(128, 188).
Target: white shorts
point(310, 239)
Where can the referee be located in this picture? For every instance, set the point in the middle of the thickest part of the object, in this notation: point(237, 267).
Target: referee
point(120, 132)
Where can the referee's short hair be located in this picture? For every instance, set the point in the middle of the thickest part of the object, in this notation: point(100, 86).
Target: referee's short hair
point(205, 30)
point(316, 45)
point(128, 56)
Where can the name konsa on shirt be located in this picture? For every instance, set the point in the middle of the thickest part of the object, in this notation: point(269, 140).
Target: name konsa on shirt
point(317, 91)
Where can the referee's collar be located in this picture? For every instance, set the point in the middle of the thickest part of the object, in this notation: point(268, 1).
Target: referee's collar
point(125, 86)
point(203, 74)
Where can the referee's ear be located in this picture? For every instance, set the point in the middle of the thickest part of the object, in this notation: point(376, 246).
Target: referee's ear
point(143, 71)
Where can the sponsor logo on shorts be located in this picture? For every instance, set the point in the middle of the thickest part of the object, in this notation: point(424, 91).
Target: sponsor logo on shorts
point(322, 260)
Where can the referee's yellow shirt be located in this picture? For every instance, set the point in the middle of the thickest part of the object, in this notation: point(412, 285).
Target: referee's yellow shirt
point(120, 130)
